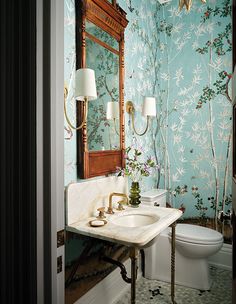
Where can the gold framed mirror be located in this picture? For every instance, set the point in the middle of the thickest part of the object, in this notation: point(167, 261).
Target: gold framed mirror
point(100, 26)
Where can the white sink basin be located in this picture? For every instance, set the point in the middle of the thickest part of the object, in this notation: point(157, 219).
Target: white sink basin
point(131, 227)
point(134, 220)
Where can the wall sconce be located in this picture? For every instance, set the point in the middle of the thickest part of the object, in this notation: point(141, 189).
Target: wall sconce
point(149, 109)
point(113, 112)
point(85, 90)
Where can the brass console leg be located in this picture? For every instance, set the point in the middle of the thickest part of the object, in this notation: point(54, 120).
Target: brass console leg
point(133, 256)
point(173, 263)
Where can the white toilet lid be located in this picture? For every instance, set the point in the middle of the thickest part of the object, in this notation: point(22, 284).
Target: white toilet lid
point(197, 234)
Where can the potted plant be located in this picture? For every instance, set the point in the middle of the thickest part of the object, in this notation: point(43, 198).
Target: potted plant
point(135, 169)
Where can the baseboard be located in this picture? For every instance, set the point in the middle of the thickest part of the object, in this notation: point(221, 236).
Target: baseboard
point(223, 258)
point(109, 290)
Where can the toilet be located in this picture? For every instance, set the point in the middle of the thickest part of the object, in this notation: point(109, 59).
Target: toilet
point(194, 244)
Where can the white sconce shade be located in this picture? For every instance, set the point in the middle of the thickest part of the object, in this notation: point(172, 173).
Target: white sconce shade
point(149, 106)
point(112, 110)
point(85, 90)
point(85, 85)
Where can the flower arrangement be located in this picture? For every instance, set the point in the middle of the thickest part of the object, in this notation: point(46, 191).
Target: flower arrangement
point(135, 166)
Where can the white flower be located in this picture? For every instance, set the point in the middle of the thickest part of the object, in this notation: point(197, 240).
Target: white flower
point(204, 174)
point(162, 46)
point(197, 70)
point(179, 75)
point(177, 28)
point(175, 177)
point(182, 121)
point(195, 127)
point(174, 11)
point(194, 163)
point(177, 139)
point(216, 65)
point(185, 112)
point(196, 79)
point(196, 138)
point(210, 27)
point(200, 30)
point(183, 159)
point(184, 91)
point(174, 127)
point(181, 149)
point(165, 76)
point(181, 171)
point(224, 125)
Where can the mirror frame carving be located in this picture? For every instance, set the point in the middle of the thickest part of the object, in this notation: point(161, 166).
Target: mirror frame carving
point(112, 19)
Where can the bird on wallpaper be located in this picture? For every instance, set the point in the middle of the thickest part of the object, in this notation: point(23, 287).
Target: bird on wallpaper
point(187, 3)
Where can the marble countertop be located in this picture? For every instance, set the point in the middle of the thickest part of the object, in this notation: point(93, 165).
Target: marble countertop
point(130, 236)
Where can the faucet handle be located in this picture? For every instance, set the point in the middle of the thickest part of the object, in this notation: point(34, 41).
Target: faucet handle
point(101, 214)
point(120, 205)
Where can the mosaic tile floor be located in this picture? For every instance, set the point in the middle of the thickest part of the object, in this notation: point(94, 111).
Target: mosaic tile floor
point(152, 291)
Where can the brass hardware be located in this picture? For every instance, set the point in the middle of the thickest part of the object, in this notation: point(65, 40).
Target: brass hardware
point(59, 264)
point(133, 255)
point(60, 238)
point(134, 270)
point(120, 205)
point(101, 214)
point(129, 107)
point(85, 111)
point(130, 110)
point(110, 208)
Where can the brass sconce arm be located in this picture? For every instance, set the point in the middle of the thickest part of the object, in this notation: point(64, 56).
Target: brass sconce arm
point(85, 89)
point(114, 120)
point(131, 110)
point(85, 112)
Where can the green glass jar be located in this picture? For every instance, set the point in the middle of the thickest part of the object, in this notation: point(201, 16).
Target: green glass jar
point(134, 195)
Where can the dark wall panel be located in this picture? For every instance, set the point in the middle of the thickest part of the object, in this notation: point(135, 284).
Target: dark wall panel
point(18, 151)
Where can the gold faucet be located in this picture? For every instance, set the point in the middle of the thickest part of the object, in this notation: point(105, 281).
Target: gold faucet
point(110, 208)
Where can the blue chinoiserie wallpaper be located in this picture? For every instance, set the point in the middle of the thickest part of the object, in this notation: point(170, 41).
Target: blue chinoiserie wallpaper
point(184, 60)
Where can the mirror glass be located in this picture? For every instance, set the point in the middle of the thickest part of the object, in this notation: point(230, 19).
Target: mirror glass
point(103, 131)
point(100, 34)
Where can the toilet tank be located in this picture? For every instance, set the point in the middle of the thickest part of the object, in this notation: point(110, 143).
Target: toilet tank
point(154, 197)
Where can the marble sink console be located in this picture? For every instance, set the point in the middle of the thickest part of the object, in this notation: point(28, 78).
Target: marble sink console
point(83, 199)
point(139, 236)
point(134, 227)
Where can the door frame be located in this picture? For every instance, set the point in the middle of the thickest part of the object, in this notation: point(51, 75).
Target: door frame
point(50, 149)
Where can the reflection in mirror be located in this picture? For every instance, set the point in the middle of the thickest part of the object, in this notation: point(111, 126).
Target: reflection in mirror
point(100, 27)
point(100, 34)
point(102, 132)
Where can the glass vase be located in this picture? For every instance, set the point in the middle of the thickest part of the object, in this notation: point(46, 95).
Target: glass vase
point(134, 195)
